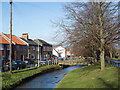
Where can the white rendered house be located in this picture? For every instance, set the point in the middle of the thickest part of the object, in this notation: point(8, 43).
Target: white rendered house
point(59, 51)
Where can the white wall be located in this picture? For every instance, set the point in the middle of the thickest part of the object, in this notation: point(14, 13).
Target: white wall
point(61, 50)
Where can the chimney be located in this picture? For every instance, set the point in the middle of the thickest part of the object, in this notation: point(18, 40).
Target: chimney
point(25, 36)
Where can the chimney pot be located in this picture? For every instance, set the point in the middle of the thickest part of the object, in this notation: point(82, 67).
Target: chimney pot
point(25, 36)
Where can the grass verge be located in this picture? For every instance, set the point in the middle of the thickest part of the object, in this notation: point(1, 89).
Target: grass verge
point(11, 80)
point(91, 77)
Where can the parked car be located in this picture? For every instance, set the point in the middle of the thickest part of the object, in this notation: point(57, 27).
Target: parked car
point(22, 64)
point(29, 61)
point(17, 64)
point(44, 61)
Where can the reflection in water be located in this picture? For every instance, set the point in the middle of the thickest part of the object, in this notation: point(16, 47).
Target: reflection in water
point(48, 80)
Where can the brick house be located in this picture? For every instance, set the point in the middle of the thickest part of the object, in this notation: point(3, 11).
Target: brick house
point(46, 48)
point(4, 48)
point(32, 47)
point(18, 47)
point(23, 48)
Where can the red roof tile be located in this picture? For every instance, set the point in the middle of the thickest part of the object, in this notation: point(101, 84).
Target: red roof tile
point(3, 40)
point(15, 39)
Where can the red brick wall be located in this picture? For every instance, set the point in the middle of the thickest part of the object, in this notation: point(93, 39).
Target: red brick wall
point(35, 52)
point(20, 52)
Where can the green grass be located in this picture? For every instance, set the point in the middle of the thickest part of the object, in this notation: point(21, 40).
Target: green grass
point(9, 80)
point(91, 77)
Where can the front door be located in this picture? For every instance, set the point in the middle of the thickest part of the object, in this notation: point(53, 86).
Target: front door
point(21, 57)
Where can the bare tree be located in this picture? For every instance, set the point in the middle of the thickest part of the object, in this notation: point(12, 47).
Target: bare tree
point(94, 22)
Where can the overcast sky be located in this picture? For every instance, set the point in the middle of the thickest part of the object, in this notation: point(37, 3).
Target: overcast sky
point(33, 18)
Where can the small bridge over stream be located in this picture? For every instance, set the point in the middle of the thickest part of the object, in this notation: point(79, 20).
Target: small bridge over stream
point(75, 62)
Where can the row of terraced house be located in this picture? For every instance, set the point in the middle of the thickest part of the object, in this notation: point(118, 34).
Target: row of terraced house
point(24, 48)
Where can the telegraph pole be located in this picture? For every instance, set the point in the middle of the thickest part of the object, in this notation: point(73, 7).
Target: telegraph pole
point(38, 54)
point(10, 36)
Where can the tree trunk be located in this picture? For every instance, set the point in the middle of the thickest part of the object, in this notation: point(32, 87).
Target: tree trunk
point(110, 54)
point(102, 59)
point(102, 40)
point(110, 51)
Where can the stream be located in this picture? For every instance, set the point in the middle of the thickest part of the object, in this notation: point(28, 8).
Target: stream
point(48, 80)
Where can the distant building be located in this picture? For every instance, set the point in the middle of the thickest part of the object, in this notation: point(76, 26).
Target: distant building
point(46, 48)
point(59, 51)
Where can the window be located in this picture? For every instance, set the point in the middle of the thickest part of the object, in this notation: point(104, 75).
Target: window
point(37, 48)
point(8, 47)
point(1, 47)
point(33, 56)
point(33, 48)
